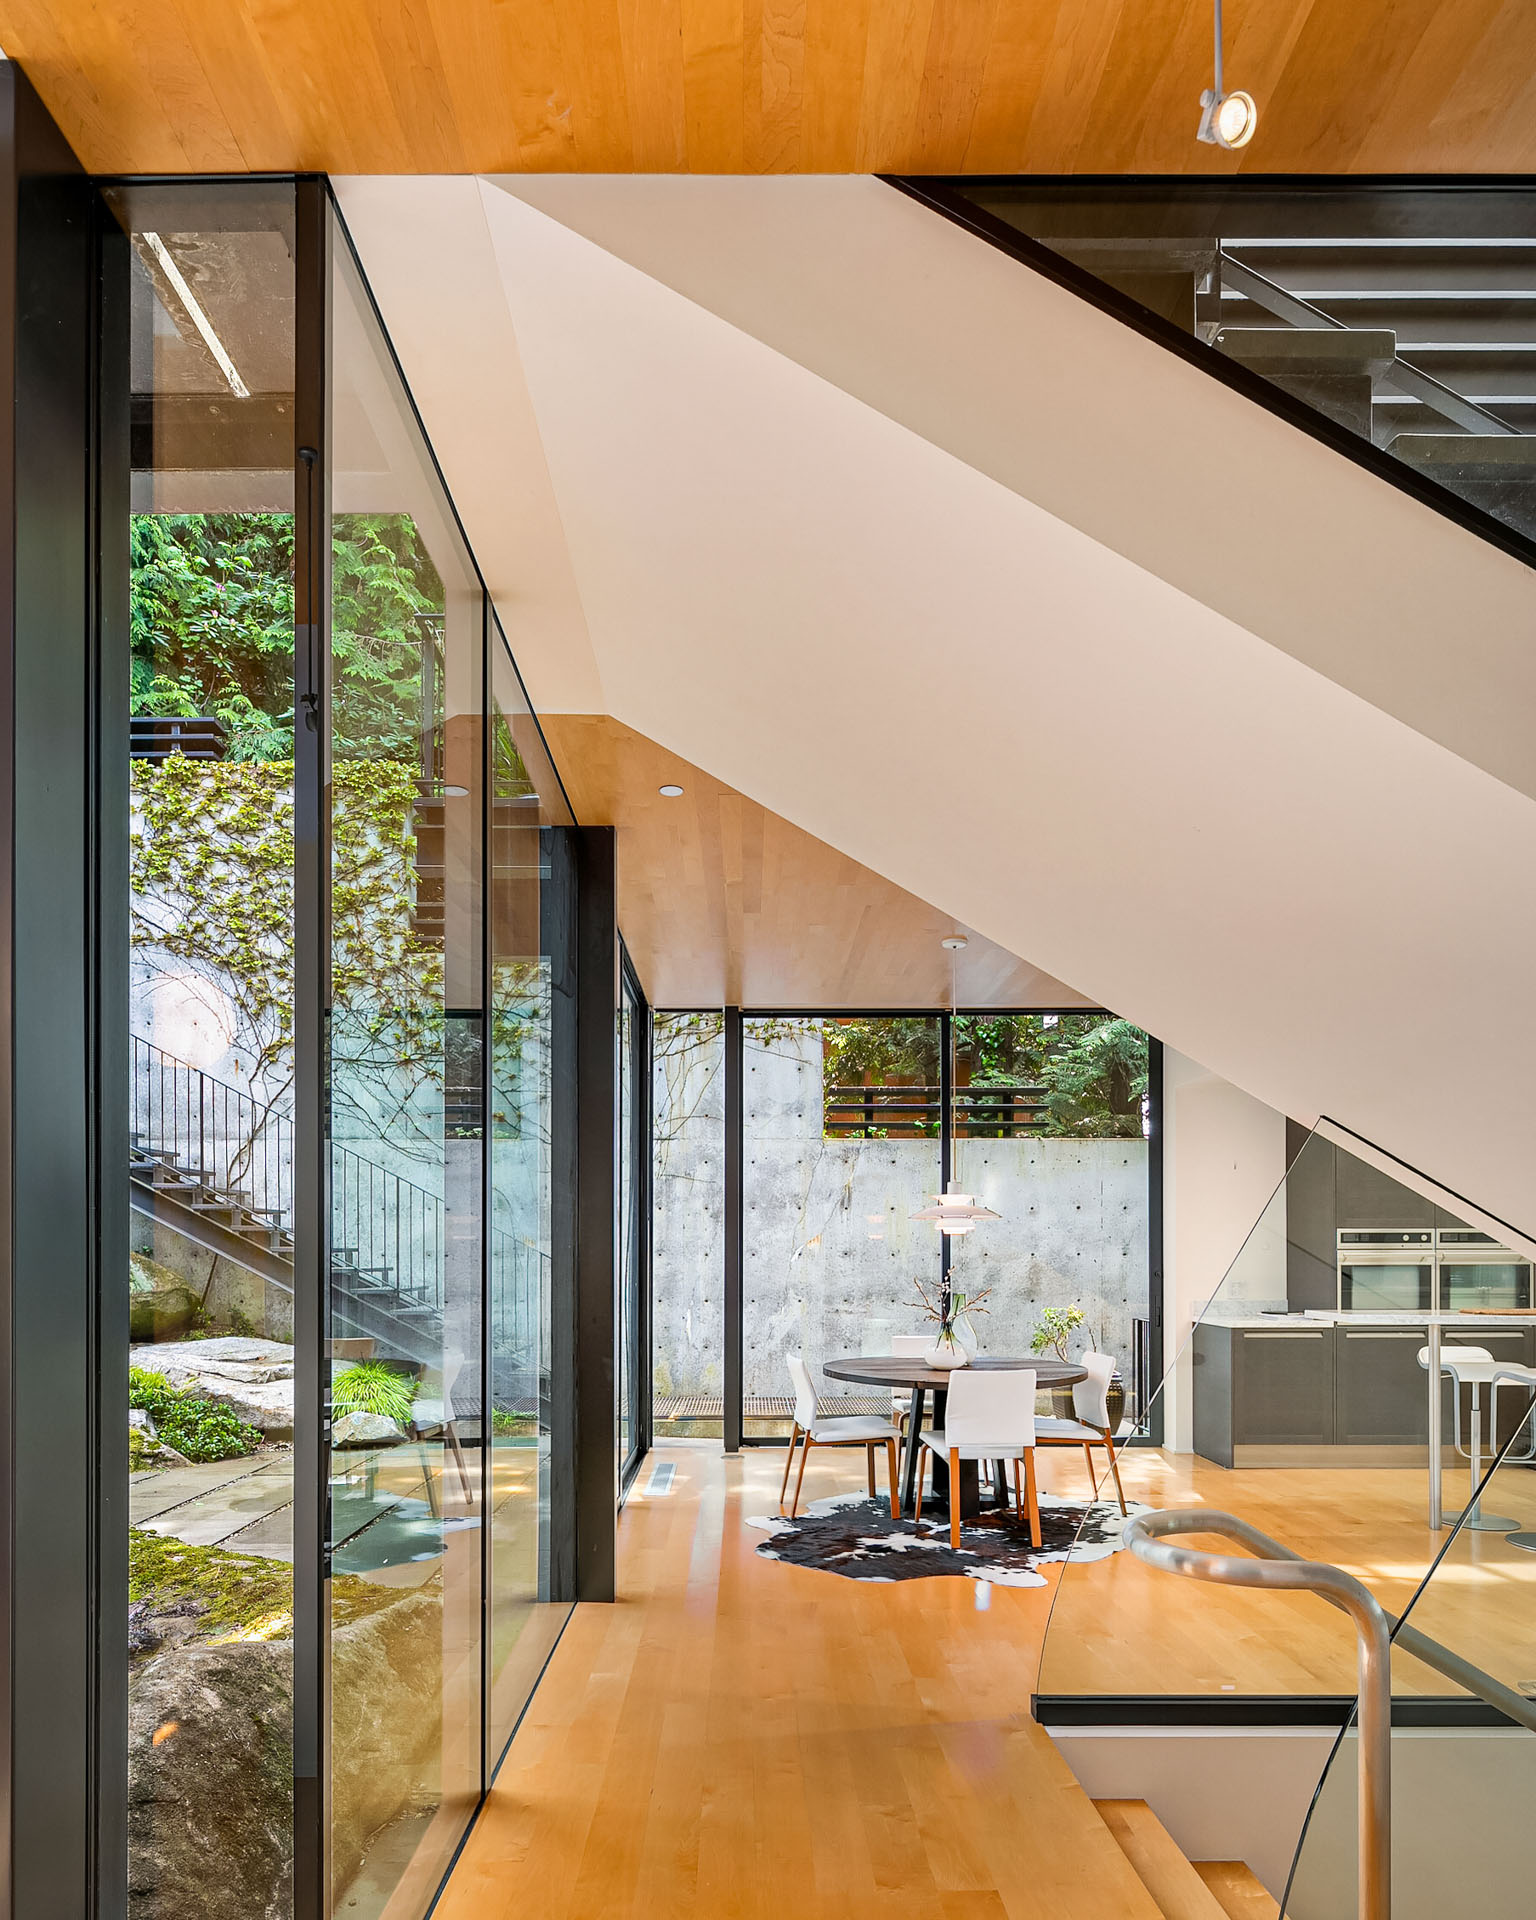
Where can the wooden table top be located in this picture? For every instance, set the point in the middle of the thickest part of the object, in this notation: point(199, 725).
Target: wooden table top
point(882, 1370)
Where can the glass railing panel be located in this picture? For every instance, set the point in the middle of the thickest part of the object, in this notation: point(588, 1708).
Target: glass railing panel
point(1462, 1775)
point(1297, 1399)
point(1406, 314)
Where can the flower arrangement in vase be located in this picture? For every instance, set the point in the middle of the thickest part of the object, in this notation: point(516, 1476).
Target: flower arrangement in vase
point(954, 1343)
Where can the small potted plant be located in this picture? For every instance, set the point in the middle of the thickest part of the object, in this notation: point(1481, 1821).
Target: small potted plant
point(1053, 1335)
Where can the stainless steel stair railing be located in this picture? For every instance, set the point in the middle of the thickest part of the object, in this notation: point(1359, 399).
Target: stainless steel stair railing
point(1277, 1570)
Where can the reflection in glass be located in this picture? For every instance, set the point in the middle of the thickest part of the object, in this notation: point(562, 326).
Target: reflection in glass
point(407, 1131)
point(687, 1223)
point(527, 808)
point(629, 1318)
point(210, 1279)
point(841, 1148)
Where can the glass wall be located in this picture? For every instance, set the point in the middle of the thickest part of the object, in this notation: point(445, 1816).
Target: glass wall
point(527, 808)
point(630, 1307)
point(446, 892)
point(407, 1132)
point(841, 1147)
point(1049, 1123)
point(211, 969)
point(687, 1224)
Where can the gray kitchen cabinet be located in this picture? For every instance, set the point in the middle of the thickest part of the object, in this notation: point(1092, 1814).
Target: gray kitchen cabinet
point(1381, 1393)
point(1282, 1387)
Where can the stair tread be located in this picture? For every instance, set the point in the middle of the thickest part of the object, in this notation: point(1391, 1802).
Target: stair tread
point(1175, 1886)
point(1238, 1889)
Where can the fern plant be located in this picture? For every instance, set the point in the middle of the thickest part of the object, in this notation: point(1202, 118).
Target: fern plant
point(374, 1386)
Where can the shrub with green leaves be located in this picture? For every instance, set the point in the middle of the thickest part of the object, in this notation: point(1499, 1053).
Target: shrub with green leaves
point(374, 1386)
point(197, 1428)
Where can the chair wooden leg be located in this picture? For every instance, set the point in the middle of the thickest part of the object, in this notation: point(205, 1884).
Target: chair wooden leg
point(1114, 1467)
point(1032, 1494)
point(918, 1479)
point(805, 1454)
point(954, 1499)
point(452, 1431)
point(869, 1462)
point(1093, 1478)
point(1018, 1497)
point(890, 1464)
point(789, 1461)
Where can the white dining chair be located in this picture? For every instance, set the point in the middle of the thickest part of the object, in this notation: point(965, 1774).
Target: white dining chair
point(989, 1416)
point(1091, 1428)
point(809, 1426)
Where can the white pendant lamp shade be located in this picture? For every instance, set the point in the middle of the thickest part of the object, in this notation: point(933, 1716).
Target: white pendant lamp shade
point(954, 1212)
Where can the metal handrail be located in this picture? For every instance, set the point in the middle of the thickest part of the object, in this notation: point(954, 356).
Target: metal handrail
point(1403, 374)
point(1277, 1569)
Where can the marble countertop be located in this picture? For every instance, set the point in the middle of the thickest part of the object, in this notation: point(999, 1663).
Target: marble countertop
point(1240, 1315)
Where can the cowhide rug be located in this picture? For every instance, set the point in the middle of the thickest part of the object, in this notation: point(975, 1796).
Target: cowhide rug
point(855, 1536)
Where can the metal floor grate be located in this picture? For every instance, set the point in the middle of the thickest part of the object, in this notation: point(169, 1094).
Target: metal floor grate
point(711, 1406)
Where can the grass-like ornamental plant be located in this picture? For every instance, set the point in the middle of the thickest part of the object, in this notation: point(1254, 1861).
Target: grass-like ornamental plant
point(374, 1386)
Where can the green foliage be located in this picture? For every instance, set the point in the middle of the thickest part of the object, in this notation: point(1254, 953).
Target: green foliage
point(211, 853)
point(507, 1424)
point(1088, 1071)
point(1056, 1328)
point(196, 1428)
point(374, 1386)
point(211, 627)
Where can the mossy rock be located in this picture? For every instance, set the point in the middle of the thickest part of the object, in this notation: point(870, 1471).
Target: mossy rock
point(161, 1306)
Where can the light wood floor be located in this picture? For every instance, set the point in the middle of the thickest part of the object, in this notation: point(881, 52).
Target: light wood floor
point(741, 1738)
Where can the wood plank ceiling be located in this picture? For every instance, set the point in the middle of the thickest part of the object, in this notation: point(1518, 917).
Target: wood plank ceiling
point(815, 86)
point(723, 903)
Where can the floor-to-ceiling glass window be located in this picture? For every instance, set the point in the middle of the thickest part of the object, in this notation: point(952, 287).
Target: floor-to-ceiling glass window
point(527, 808)
point(687, 1224)
point(406, 1068)
point(841, 1146)
point(210, 1280)
point(1049, 1124)
point(447, 890)
point(632, 1281)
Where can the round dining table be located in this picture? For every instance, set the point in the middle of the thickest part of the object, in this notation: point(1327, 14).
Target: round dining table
point(889, 1370)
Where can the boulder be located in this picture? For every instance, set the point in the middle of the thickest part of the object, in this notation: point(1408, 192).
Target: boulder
point(365, 1429)
point(210, 1783)
point(161, 1306)
point(210, 1760)
point(252, 1377)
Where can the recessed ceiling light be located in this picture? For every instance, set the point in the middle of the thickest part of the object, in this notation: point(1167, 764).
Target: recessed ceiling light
point(455, 793)
point(954, 942)
point(670, 792)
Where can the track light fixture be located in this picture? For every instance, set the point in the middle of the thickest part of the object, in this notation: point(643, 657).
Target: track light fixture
point(1226, 119)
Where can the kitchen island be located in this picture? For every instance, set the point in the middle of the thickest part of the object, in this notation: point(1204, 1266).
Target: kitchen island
point(1335, 1389)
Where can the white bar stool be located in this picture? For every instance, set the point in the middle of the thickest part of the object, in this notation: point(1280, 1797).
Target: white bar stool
point(1473, 1367)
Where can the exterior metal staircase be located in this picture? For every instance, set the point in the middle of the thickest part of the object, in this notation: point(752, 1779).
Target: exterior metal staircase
point(213, 1165)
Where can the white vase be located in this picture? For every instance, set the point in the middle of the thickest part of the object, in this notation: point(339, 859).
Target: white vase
point(946, 1354)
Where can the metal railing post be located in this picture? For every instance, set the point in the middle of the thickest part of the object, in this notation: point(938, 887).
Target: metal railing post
point(1277, 1569)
